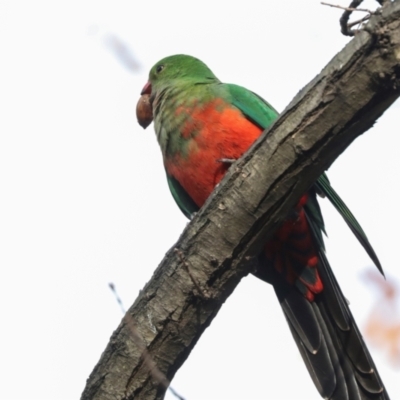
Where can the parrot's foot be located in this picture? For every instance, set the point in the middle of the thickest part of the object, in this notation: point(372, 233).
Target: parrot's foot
point(226, 160)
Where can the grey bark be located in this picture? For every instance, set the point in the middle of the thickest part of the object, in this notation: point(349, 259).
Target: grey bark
point(215, 250)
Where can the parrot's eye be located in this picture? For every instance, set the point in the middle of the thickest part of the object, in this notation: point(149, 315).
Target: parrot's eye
point(159, 68)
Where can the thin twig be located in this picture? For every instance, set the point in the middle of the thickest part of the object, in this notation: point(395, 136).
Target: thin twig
point(119, 301)
point(359, 21)
point(344, 20)
point(347, 8)
point(146, 357)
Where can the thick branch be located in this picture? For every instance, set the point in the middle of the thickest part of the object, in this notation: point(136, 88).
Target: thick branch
point(215, 250)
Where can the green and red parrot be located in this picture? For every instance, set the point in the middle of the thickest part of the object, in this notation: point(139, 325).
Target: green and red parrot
point(202, 125)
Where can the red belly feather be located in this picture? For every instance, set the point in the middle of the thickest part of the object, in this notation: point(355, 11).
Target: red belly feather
point(221, 131)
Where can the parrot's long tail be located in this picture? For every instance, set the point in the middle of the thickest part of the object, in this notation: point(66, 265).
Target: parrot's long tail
point(329, 341)
point(318, 315)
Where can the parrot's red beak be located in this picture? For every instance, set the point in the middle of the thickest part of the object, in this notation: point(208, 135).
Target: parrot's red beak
point(144, 109)
point(146, 89)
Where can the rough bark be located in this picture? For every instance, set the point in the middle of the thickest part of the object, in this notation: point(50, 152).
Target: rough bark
point(215, 250)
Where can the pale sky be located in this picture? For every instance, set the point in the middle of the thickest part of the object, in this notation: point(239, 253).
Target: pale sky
point(84, 199)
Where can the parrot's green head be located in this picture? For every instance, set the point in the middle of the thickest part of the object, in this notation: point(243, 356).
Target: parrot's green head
point(177, 70)
point(174, 72)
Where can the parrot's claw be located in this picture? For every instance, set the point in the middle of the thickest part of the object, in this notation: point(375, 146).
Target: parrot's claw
point(226, 160)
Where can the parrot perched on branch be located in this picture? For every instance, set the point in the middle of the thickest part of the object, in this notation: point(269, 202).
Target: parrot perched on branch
point(202, 126)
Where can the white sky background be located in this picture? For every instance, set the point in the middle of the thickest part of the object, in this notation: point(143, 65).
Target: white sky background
point(84, 200)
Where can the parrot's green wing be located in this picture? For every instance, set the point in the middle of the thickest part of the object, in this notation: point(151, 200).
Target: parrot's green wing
point(259, 111)
point(325, 187)
point(254, 107)
point(184, 201)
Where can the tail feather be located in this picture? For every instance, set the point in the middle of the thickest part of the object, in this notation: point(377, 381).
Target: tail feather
point(320, 320)
point(350, 341)
point(337, 359)
point(322, 362)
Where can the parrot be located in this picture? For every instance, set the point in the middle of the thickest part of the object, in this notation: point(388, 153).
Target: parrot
point(202, 126)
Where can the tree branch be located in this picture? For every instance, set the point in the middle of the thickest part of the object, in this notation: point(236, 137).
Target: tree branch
point(216, 249)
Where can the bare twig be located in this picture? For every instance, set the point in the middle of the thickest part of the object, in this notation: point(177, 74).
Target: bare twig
point(359, 21)
point(344, 20)
point(122, 51)
point(119, 301)
point(347, 8)
point(147, 359)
